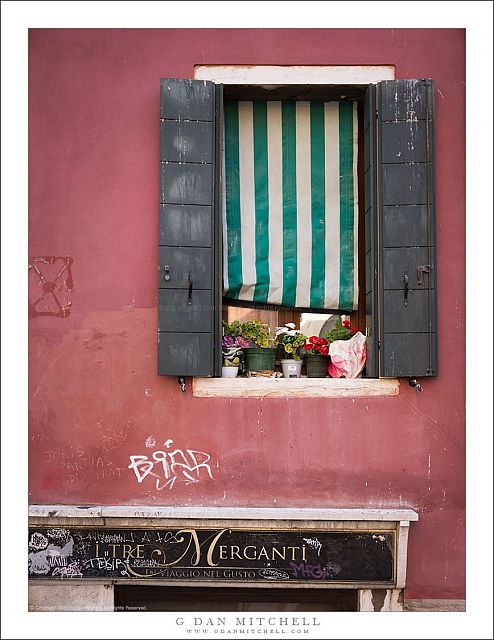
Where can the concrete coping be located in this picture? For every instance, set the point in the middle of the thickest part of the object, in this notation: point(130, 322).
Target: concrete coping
point(219, 513)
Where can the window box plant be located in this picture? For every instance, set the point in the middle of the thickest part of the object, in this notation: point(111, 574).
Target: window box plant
point(260, 355)
point(291, 341)
point(316, 357)
point(232, 345)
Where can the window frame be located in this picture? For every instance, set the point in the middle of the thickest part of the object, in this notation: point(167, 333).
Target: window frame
point(394, 164)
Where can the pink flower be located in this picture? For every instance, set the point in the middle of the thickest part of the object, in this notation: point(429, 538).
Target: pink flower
point(242, 342)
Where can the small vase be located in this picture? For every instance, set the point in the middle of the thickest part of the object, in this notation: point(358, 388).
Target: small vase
point(291, 368)
point(317, 366)
point(229, 372)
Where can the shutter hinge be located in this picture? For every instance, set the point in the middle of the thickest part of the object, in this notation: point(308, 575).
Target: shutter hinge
point(181, 382)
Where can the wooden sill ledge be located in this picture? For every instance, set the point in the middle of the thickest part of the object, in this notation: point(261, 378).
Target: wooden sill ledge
point(294, 387)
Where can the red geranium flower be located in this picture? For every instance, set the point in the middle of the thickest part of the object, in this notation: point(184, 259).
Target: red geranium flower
point(354, 329)
point(346, 323)
point(324, 350)
point(314, 340)
point(323, 341)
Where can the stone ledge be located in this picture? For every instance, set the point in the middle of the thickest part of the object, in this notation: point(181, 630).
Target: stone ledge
point(218, 513)
point(294, 387)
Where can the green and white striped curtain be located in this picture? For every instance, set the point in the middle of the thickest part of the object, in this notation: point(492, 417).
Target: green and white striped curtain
point(291, 210)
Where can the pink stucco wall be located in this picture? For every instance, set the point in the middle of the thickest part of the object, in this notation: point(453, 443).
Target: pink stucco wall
point(95, 397)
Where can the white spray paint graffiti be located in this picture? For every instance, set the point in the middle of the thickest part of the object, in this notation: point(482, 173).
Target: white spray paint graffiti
point(188, 466)
point(44, 556)
point(314, 542)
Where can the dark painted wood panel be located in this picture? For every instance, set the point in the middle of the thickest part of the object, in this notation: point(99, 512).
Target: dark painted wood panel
point(405, 226)
point(186, 184)
point(184, 354)
point(404, 184)
point(367, 149)
point(176, 314)
point(403, 100)
point(368, 230)
point(371, 232)
point(403, 355)
point(400, 261)
point(403, 142)
point(183, 99)
point(186, 141)
point(368, 186)
point(412, 318)
point(186, 225)
point(371, 363)
point(182, 262)
point(369, 267)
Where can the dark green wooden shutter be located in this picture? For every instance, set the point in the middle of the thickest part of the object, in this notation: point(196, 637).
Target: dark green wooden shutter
point(189, 289)
point(371, 281)
point(402, 233)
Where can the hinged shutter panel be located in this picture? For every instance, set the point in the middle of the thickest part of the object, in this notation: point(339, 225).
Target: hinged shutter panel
point(188, 291)
point(406, 229)
point(371, 284)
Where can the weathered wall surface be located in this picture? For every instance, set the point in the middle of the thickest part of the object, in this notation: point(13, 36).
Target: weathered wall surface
point(95, 398)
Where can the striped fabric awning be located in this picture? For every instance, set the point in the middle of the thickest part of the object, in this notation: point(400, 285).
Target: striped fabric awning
point(291, 210)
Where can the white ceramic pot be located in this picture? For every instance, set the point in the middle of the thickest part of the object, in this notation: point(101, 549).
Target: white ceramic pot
point(291, 368)
point(229, 372)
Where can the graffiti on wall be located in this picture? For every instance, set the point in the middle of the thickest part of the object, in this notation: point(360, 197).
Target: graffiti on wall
point(170, 465)
point(51, 553)
point(50, 286)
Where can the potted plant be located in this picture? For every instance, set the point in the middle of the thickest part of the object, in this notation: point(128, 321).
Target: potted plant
point(232, 345)
point(260, 355)
point(316, 357)
point(342, 331)
point(291, 341)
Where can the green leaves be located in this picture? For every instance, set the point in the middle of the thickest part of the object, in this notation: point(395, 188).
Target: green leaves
point(259, 333)
point(342, 331)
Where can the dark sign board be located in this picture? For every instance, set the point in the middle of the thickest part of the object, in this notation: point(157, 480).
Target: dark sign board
point(231, 555)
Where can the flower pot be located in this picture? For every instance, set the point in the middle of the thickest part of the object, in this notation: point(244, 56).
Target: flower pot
point(291, 368)
point(257, 359)
point(229, 372)
point(317, 366)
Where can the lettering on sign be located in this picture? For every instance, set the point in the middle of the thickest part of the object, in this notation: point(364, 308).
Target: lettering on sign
point(212, 554)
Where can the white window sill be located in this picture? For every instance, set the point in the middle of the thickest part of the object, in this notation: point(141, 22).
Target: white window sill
point(294, 387)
